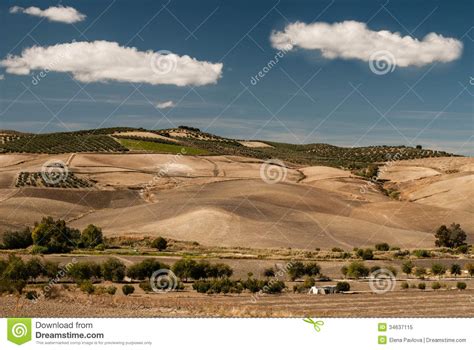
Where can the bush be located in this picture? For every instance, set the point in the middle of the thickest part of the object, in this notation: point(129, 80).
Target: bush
point(422, 253)
point(343, 287)
point(463, 249)
point(31, 295)
point(159, 243)
point(470, 269)
point(146, 286)
point(184, 268)
point(365, 254)
point(404, 285)
point(113, 270)
point(422, 286)
point(91, 236)
point(420, 272)
point(145, 269)
point(384, 247)
point(438, 269)
point(461, 285)
point(111, 290)
point(407, 267)
point(269, 272)
point(35, 268)
point(451, 237)
point(17, 239)
point(337, 250)
point(274, 287)
point(357, 270)
point(436, 285)
point(455, 270)
point(55, 236)
point(297, 270)
point(128, 289)
point(87, 287)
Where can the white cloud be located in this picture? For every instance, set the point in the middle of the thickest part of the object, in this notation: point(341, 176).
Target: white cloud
point(166, 104)
point(353, 40)
point(2, 77)
point(54, 13)
point(101, 61)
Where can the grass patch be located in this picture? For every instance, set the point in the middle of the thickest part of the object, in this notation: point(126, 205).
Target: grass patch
point(138, 145)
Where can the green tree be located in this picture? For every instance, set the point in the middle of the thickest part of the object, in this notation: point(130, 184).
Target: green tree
point(461, 285)
point(420, 272)
point(296, 270)
point(159, 243)
point(438, 269)
point(144, 269)
point(55, 236)
point(113, 270)
point(312, 269)
point(407, 267)
point(17, 239)
point(84, 271)
point(91, 236)
point(451, 237)
point(35, 268)
point(184, 268)
point(344, 270)
point(455, 270)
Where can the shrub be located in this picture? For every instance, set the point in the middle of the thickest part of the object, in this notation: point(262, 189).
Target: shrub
point(113, 270)
point(463, 249)
point(128, 289)
point(384, 247)
point(357, 270)
point(31, 295)
point(470, 269)
point(87, 287)
point(17, 239)
point(401, 253)
point(312, 269)
point(309, 282)
point(337, 250)
point(407, 267)
point(37, 249)
point(436, 285)
point(422, 286)
point(111, 290)
point(422, 253)
point(404, 285)
point(438, 269)
point(420, 272)
point(55, 236)
point(91, 236)
point(343, 287)
point(451, 237)
point(461, 285)
point(269, 272)
point(365, 254)
point(146, 286)
point(159, 243)
point(344, 270)
point(145, 269)
point(274, 287)
point(455, 269)
point(296, 270)
point(184, 268)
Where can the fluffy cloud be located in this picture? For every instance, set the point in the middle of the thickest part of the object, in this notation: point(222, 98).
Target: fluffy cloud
point(54, 13)
point(166, 104)
point(353, 40)
point(102, 61)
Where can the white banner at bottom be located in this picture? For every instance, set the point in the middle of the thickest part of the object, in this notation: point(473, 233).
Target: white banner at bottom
point(236, 333)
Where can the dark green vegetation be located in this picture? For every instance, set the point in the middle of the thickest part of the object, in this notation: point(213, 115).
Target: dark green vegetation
point(62, 143)
point(196, 142)
point(36, 179)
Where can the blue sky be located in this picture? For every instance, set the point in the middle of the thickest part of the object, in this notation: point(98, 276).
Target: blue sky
point(303, 98)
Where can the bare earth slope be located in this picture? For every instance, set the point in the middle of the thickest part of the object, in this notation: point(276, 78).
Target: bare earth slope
point(236, 201)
